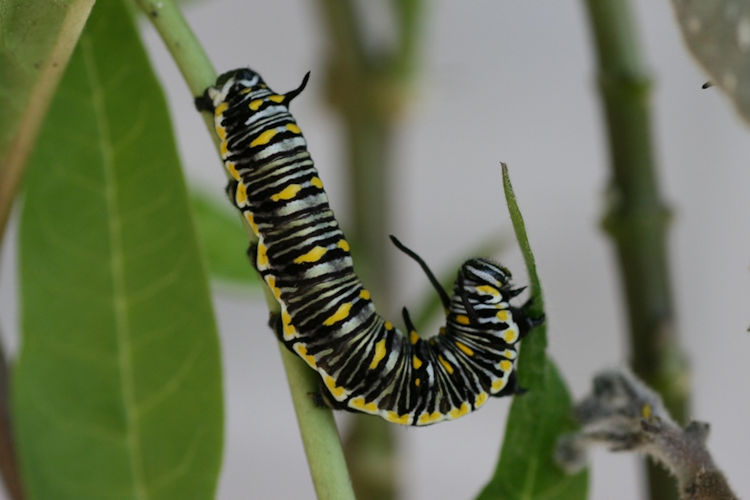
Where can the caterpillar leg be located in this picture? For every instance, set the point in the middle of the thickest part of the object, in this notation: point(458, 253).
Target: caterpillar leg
point(231, 191)
point(512, 388)
point(526, 323)
point(204, 103)
point(323, 399)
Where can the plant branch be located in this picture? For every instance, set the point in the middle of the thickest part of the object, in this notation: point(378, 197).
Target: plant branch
point(624, 414)
point(317, 427)
point(637, 218)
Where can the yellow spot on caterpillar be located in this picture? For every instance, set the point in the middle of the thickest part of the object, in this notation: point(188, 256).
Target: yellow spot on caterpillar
point(223, 149)
point(276, 98)
point(364, 294)
point(462, 319)
point(510, 354)
point(343, 245)
point(510, 335)
point(505, 365)
point(426, 418)
point(413, 337)
point(341, 313)
point(441, 330)
point(388, 325)
point(480, 399)
point(459, 412)
point(313, 255)
point(246, 91)
point(466, 349)
point(221, 108)
point(254, 105)
point(337, 392)
point(262, 257)
point(315, 181)
point(286, 320)
point(271, 280)
point(291, 127)
point(251, 220)
point(417, 381)
point(489, 290)
point(221, 131)
point(379, 354)
point(416, 362)
point(394, 417)
point(359, 404)
point(287, 193)
point(446, 365)
point(240, 196)
point(646, 410)
point(232, 168)
point(263, 138)
point(503, 315)
point(302, 351)
point(498, 385)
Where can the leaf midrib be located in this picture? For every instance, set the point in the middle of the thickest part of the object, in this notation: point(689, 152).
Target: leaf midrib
point(119, 293)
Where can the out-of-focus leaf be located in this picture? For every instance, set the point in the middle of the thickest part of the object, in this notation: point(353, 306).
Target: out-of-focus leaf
point(36, 40)
point(223, 238)
point(35, 35)
point(117, 391)
point(526, 468)
point(717, 33)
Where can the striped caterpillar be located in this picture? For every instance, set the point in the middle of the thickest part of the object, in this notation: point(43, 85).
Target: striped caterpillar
point(326, 316)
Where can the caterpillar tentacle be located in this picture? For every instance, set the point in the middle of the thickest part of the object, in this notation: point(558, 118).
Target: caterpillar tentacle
point(327, 317)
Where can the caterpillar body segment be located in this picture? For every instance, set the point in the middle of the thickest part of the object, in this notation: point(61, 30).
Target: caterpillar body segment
point(327, 316)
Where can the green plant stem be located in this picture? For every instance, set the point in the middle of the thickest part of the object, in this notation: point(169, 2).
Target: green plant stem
point(13, 164)
point(318, 430)
point(367, 88)
point(637, 218)
point(317, 427)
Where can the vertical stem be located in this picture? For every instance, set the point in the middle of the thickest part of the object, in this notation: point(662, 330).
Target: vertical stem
point(636, 217)
point(366, 87)
point(317, 427)
point(8, 462)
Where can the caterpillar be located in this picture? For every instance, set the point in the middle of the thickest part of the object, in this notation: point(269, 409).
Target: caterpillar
point(327, 317)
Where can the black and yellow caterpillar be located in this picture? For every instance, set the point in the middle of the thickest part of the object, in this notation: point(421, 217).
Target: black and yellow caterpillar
point(327, 316)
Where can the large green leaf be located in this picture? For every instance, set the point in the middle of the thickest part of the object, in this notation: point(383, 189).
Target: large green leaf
point(117, 391)
point(526, 468)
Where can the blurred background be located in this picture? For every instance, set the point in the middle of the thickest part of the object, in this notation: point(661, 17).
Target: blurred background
point(494, 81)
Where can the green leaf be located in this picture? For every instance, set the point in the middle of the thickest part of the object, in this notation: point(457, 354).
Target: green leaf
point(117, 391)
point(526, 468)
point(36, 40)
point(224, 240)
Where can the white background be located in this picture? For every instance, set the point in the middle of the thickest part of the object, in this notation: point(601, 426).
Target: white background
point(500, 81)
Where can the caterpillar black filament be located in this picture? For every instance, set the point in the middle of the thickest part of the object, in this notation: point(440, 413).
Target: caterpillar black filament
point(327, 317)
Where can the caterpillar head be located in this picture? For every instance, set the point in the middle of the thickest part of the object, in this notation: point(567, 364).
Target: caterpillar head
point(228, 83)
point(243, 80)
point(482, 280)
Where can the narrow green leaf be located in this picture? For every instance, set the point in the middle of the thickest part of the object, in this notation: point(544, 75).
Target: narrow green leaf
point(223, 238)
point(526, 468)
point(117, 391)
